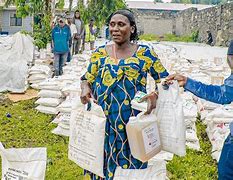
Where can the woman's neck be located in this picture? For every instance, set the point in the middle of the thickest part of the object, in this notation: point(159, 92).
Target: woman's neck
point(123, 46)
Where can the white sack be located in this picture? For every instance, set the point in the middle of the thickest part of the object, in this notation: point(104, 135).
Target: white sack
point(23, 163)
point(13, 62)
point(35, 77)
point(59, 130)
point(40, 69)
point(47, 110)
point(154, 172)
point(86, 145)
point(50, 94)
point(53, 102)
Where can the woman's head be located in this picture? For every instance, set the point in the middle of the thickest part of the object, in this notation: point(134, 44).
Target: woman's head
point(122, 26)
point(77, 14)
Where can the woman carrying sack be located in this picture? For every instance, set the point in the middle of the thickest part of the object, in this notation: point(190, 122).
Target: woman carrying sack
point(115, 73)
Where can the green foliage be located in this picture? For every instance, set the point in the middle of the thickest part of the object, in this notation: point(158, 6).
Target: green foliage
point(60, 4)
point(149, 37)
point(194, 35)
point(100, 10)
point(42, 32)
point(29, 7)
point(166, 37)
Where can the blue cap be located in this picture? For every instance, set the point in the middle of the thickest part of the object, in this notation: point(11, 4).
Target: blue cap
point(230, 49)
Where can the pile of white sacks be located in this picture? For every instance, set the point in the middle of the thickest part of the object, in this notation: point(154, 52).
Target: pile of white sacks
point(57, 93)
point(208, 65)
point(218, 122)
point(41, 70)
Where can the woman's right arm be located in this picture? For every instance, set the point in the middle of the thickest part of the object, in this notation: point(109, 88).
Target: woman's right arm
point(89, 77)
point(85, 92)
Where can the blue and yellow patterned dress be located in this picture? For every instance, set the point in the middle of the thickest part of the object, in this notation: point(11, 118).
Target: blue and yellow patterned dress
point(114, 86)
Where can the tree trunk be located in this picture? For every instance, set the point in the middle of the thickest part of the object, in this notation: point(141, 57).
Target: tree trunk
point(70, 5)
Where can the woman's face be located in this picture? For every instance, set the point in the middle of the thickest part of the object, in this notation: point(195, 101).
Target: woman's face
point(77, 15)
point(120, 29)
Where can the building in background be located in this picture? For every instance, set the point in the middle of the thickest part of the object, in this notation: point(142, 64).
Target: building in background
point(10, 24)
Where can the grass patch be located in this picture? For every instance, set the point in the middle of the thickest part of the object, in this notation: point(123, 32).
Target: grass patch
point(196, 164)
point(29, 128)
point(166, 37)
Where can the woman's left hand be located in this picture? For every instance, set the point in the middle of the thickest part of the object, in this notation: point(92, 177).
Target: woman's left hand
point(151, 101)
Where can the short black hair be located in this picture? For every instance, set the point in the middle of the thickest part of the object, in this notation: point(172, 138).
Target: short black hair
point(130, 16)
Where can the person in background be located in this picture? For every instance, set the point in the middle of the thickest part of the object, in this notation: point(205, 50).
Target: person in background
point(115, 73)
point(73, 31)
point(80, 31)
point(218, 94)
point(107, 35)
point(61, 39)
point(209, 38)
point(90, 33)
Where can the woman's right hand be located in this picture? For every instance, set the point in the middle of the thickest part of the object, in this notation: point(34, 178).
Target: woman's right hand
point(85, 92)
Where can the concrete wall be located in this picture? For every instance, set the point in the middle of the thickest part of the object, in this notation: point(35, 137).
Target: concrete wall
point(26, 23)
point(154, 22)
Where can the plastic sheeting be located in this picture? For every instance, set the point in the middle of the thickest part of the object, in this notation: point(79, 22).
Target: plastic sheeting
point(15, 53)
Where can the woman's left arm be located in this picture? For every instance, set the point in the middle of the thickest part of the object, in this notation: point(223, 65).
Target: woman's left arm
point(157, 71)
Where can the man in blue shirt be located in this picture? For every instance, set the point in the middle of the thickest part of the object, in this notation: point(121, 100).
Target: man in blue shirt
point(61, 39)
point(218, 94)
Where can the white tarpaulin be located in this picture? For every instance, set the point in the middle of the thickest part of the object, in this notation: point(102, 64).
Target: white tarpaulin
point(15, 52)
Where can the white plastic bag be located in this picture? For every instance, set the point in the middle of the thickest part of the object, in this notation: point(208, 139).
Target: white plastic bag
point(169, 111)
point(86, 145)
point(23, 163)
point(155, 172)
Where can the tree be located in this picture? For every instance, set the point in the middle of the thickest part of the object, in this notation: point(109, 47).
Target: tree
point(159, 1)
point(99, 9)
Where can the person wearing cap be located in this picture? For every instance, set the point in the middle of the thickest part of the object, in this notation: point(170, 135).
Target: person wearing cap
point(61, 39)
point(73, 31)
point(218, 94)
point(90, 33)
point(80, 32)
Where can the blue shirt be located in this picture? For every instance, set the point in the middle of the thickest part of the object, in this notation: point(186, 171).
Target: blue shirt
point(218, 94)
point(61, 37)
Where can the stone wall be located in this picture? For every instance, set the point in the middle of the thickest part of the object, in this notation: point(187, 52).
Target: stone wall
point(217, 19)
point(1, 17)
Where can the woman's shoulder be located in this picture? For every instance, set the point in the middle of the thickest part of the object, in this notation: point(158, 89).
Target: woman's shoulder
point(100, 50)
point(145, 47)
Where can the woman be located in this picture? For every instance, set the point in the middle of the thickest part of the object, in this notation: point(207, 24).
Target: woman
point(80, 32)
point(116, 72)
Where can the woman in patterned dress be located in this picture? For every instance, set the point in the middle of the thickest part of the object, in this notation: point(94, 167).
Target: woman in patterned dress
point(115, 73)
